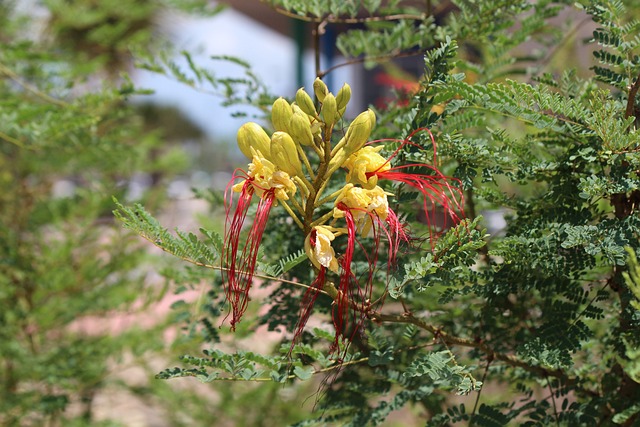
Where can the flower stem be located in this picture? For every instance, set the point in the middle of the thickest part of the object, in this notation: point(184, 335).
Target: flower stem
point(292, 214)
point(305, 160)
point(322, 219)
point(297, 206)
point(329, 197)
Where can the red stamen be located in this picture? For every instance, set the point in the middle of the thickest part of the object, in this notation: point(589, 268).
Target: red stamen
point(238, 269)
point(435, 188)
point(308, 301)
point(352, 303)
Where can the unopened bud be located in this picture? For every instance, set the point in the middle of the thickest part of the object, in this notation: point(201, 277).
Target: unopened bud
point(305, 102)
point(329, 109)
point(251, 135)
point(343, 97)
point(300, 128)
point(281, 113)
point(320, 89)
point(359, 131)
point(284, 154)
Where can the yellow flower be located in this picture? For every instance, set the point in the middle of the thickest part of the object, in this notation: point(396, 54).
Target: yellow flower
point(362, 203)
point(265, 177)
point(364, 161)
point(319, 250)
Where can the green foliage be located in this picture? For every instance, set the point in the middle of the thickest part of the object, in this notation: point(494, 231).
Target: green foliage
point(542, 315)
point(66, 148)
point(532, 324)
point(235, 90)
point(184, 245)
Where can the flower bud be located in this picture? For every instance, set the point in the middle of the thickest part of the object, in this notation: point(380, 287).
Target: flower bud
point(281, 113)
point(251, 135)
point(300, 129)
point(305, 102)
point(329, 109)
point(342, 98)
point(359, 131)
point(284, 153)
point(320, 89)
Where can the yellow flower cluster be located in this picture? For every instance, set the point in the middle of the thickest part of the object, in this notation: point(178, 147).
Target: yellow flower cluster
point(280, 167)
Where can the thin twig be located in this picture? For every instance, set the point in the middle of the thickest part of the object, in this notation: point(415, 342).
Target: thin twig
point(369, 58)
point(12, 140)
point(509, 359)
point(484, 377)
point(34, 90)
point(631, 102)
point(553, 401)
point(220, 268)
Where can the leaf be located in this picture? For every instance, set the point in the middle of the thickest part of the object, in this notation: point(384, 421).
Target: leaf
point(304, 373)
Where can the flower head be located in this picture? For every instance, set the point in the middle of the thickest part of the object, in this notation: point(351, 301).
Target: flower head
point(366, 167)
point(361, 164)
point(265, 177)
point(366, 206)
point(319, 250)
point(346, 241)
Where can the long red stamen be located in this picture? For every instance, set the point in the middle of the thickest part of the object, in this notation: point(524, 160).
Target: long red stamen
point(340, 312)
point(306, 307)
point(396, 235)
point(354, 294)
point(435, 189)
point(238, 269)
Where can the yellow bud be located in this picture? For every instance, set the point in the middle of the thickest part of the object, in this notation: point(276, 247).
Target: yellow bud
point(305, 102)
point(320, 89)
point(329, 109)
point(251, 135)
point(300, 129)
point(284, 153)
point(281, 113)
point(359, 131)
point(343, 97)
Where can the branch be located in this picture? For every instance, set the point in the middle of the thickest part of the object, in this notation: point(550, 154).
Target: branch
point(220, 268)
point(509, 359)
point(368, 58)
point(336, 20)
point(34, 90)
point(631, 102)
point(12, 140)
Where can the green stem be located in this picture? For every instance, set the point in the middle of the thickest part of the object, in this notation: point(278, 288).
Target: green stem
point(297, 205)
point(12, 140)
point(292, 214)
point(329, 197)
point(305, 160)
point(322, 219)
point(304, 189)
point(338, 146)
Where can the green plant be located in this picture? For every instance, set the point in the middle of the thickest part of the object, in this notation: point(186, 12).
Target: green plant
point(540, 311)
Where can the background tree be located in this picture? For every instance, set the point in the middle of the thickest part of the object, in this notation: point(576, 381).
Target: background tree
point(69, 141)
